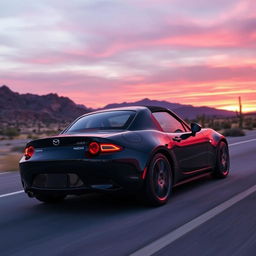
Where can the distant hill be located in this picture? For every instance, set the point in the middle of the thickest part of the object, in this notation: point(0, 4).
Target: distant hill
point(184, 111)
point(54, 108)
point(251, 114)
point(31, 107)
point(147, 102)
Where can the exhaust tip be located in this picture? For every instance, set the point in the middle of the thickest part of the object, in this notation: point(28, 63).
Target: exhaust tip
point(30, 194)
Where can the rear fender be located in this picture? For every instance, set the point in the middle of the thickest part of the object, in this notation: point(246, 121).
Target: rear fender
point(170, 156)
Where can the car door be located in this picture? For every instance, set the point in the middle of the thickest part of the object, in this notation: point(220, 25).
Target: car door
point(191, 153)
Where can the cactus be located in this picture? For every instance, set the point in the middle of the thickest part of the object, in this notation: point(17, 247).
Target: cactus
point(240, 115)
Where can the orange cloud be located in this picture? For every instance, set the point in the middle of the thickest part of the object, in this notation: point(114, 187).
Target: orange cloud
point(192, 52)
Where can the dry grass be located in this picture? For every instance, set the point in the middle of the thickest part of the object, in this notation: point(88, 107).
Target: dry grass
point(9, 162)
point(233, 132)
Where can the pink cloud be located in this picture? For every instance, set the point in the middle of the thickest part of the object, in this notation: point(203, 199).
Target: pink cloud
point(186, 51)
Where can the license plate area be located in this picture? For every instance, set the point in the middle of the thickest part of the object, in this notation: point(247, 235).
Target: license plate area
point(51, 180)
point(57, 180)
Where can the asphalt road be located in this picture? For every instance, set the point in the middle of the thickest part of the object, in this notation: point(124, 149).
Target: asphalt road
point(206, 217)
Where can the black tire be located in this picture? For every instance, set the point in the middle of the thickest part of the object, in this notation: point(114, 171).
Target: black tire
point(222, 161)
point(158, 183)
point(50, 199)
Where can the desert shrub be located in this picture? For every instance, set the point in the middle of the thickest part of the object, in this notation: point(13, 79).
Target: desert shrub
point(233, 132)
point(201, 119)
point(248, 127)
point(216, 125)
point(51, 132)
point(226, 125)
point(32, 137)
point(19, 149)
point(11, 132)
point(248, 123)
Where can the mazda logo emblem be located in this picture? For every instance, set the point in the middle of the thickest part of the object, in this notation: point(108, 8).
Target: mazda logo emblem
point(56, 142)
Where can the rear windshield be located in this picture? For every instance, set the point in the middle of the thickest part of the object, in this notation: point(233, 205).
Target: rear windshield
point(103, 121)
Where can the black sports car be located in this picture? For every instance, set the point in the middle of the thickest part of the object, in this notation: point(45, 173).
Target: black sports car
point(145, 150)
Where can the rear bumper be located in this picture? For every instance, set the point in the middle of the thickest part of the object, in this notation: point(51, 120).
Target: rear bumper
point(80, 176)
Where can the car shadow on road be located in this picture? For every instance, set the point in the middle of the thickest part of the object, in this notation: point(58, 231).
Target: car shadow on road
point(100, 203)
point(94, 203)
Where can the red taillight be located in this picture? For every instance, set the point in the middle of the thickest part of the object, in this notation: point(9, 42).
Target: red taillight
point(96, 148)
point(104, 147)
point(29, 151)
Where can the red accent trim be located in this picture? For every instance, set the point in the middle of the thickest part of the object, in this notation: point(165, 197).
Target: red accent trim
point(192, 179)
point(198, 170)
point(143, 176)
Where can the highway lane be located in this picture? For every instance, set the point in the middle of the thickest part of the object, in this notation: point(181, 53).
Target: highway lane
point(230, 233)
point(103, 225)
point(9, 182)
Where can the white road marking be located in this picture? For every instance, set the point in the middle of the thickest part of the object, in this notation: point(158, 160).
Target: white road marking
point(12, 193)
point(169, 238)
point(4, 173)
point(241, 142)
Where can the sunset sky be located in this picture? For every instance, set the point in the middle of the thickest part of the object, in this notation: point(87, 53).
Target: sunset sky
point(195, 52)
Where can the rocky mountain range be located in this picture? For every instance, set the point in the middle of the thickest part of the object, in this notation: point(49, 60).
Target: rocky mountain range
point(184, 111)
point(45, 108)
point(54, 108)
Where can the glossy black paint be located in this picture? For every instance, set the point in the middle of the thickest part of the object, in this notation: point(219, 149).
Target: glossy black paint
point(126, 169)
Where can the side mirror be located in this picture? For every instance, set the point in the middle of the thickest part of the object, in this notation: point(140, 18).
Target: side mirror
point(195, 128)
point(185, 136)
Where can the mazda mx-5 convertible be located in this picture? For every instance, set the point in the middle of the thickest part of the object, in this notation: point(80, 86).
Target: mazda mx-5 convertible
point(143, 150)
